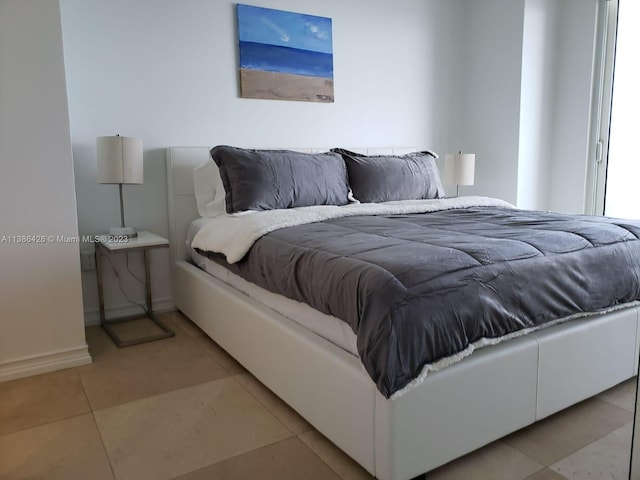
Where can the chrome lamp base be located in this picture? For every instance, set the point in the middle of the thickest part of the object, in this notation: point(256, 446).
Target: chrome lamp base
point(129, 232)
point(122, 231)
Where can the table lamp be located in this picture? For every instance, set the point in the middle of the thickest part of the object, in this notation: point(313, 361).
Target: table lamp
point(120, 161)
point(459, 169)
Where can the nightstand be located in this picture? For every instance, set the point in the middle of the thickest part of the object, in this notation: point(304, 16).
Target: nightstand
point(109, 245)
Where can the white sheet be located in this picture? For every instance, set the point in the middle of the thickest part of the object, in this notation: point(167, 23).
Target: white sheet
point(330, 328)
point(234, 235)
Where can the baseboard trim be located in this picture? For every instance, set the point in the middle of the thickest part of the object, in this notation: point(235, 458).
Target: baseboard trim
point(43, 363)
point(159, 306)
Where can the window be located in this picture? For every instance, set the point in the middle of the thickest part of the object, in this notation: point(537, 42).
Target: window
point(615, 163)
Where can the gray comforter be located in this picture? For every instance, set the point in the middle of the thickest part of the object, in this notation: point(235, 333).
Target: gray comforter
point(419, 288)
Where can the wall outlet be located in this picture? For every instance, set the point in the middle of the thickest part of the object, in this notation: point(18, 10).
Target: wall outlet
point(87, 257)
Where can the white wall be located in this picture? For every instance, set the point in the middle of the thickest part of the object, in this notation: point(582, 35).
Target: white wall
point(537, 102)
point(41, 322)
point(570, 151)
point(490, 110)
point(166, 71)
point(526, 99)
point(507, 79)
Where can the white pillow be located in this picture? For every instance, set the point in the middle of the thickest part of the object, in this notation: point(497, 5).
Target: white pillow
point(217, 206)
point(208, 189)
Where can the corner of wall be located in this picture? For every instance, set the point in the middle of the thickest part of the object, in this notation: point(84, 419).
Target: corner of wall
point(42, 328)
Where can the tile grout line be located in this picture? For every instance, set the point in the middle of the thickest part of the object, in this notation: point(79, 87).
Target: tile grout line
point(202, 347)
point(542, 470)
point(585, 446)
point(240, 454)
point(160, 394)
point(229, 375)
point(234, 375)
point(263, 405)
point(569, 454)
point(294, 435)
point(93, 412)
point(203, 335)
point(48, 422)
point(528, 477)
point(595, 397)
point(320, 458)
point(95, 422)
point(528, 456)
point(104, 446)
point(67, 417)
point(612, 403)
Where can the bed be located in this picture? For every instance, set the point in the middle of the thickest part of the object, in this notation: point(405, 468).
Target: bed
point(497, 390)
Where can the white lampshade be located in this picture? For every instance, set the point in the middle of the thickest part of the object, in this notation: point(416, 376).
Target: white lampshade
point(119, 159)
point(459, 168)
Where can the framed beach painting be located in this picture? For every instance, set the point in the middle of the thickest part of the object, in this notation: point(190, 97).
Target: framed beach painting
point(285, 55)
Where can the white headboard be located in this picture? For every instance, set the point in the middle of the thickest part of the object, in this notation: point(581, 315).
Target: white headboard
point(182, 202)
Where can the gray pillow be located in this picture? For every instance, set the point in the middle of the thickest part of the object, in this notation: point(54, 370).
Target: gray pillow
point(383, 178)
point(270, 179)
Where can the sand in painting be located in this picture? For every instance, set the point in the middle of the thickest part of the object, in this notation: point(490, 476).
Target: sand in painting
point(284, 86)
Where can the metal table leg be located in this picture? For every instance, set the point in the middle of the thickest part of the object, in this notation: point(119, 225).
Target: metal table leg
point(108, 324)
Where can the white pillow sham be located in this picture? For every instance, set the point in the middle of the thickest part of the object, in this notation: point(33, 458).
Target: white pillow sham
point(209, 190)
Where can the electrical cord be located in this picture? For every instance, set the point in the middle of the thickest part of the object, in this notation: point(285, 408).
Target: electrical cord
point(131, 273)
point(115, 272)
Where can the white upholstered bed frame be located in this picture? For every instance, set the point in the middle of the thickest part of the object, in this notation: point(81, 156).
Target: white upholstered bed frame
point(494, 392)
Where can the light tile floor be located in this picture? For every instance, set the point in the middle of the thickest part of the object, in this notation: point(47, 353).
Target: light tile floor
point(182, 408)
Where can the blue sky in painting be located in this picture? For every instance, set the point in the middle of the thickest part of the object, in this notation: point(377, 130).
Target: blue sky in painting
point(285, 29)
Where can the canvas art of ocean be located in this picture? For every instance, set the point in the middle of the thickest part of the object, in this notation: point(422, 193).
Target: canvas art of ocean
point(285, 55)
